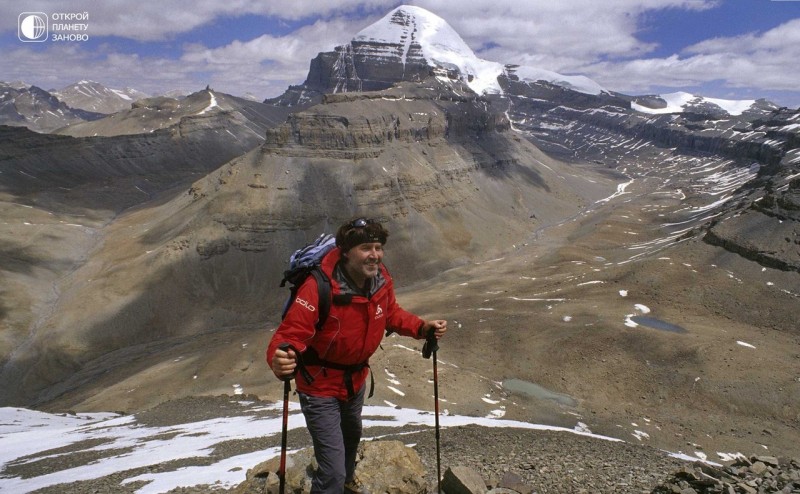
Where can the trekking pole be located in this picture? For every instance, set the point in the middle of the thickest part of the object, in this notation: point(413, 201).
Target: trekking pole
point(287, 387)
point(430, 348)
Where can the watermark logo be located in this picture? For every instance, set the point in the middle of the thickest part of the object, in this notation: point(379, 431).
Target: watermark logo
point(32, 27)
point(37, 27)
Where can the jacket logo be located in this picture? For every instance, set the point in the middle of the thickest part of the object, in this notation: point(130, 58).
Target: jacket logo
point(379, 312)
point(305, 304)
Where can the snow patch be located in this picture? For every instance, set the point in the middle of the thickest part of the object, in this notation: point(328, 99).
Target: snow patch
point(677, 103)
point(579, 83)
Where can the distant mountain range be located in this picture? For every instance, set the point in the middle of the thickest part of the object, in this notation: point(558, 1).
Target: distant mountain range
point(37, 109)
point(409, 43)
point(94, 97)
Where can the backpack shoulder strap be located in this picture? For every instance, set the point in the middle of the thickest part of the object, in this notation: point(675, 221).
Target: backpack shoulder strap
point(324, 289)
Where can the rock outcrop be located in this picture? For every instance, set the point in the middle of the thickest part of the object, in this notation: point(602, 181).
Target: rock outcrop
point(381, 466)
point(763, 224)
point(402, 114)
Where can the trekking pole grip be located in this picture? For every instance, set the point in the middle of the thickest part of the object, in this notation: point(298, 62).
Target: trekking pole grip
point(431, 345)
point(286, 347)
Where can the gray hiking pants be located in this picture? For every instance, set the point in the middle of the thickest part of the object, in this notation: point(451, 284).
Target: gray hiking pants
point(335, 428)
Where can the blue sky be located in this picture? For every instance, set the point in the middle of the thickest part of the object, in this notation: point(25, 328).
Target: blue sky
point(732, 49)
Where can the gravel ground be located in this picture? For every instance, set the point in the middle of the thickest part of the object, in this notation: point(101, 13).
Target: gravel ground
point(546, 461)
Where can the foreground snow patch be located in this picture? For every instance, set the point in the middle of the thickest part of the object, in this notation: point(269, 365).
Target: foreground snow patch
point(29, 436)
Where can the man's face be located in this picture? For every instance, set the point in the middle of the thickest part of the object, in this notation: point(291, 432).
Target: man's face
point(364, 260)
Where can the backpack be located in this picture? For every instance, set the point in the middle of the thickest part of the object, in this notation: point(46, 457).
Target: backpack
point(305, 262)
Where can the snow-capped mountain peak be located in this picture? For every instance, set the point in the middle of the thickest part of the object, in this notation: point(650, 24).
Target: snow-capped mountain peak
point(413, 31)
point(440, 45)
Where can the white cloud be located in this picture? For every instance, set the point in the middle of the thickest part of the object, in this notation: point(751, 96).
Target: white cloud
point(61, 65)
point(303, 45)
point(268, 64)
point(579, 30)
point(759, 60)
point(149, 21)
point(263, 66)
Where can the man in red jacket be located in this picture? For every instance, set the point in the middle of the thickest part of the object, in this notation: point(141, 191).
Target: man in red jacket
point(334, 361)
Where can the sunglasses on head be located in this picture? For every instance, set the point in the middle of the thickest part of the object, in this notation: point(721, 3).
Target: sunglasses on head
point(361, 222)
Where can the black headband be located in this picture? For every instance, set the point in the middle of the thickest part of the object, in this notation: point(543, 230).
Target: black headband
point(356, 237)
point(361, 231)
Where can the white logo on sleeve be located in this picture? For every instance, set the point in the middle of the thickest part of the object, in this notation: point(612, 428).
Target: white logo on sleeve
point(305, 304)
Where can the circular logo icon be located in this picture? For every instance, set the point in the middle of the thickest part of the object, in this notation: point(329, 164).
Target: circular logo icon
point(32, 26)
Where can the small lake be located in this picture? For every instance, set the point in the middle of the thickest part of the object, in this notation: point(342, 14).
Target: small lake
point(654, 323)
point(528, 388)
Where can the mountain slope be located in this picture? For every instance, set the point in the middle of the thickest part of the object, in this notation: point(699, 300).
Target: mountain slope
point(94, 97)
point(58, 195)
point(240, 116)
point(37, 109)
point(450, 180)
point(734, 159)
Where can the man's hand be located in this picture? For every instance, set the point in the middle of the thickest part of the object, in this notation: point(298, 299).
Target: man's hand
point(284, 362)
point(439, 326)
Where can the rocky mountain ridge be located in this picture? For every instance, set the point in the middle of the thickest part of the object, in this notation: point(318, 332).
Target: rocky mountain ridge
point(765, 143)
point(37, 109)
point(148, 115)
point(94, 97)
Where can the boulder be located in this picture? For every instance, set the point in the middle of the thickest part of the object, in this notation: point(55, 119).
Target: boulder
point(382, 466)
point(463, 480)
point(513, 482)
point(390, 467)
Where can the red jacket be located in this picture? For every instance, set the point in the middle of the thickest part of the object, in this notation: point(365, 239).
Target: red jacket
point(350, 335)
